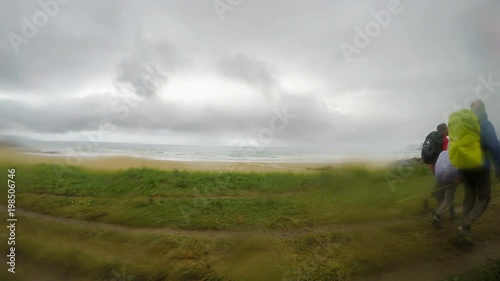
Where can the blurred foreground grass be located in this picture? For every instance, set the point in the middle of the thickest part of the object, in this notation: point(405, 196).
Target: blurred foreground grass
point(331, 224)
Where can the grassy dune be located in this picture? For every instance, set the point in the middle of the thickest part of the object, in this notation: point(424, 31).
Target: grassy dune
point(220, 201)
point(145, 224)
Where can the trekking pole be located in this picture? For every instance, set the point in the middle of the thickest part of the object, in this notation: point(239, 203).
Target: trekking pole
point(423, 194)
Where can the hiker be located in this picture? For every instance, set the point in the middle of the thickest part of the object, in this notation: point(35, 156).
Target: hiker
point(448, 179)
point(473, 143)
point(434, 144)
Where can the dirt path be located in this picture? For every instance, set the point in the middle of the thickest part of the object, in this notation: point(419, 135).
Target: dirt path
point(334, 227)
point(456, 260)
point(459, 260)
point(220, 233)
point(432, 269)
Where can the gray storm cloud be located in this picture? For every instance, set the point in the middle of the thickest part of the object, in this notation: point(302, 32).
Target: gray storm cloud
point(251, 71)
point(82, 66)
point(147, 68)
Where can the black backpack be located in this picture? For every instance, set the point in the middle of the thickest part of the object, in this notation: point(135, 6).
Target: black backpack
point(432, 147)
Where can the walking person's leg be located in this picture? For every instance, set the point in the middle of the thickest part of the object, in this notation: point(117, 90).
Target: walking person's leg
point(453, 191)
point(469, 178)
point(431, 195)
point(450, 198)
point(439, 192)
point(452, 207)
point(483, 183)
point(448, 202)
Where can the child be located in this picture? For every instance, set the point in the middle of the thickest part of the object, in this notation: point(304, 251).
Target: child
point(448, 178)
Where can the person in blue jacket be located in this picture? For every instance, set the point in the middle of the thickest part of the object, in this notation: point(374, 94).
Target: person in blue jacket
point(477, 183)
point(489, 138)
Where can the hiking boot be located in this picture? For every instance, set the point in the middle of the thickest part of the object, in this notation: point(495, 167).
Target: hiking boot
point(437, 222)
point(465, 235)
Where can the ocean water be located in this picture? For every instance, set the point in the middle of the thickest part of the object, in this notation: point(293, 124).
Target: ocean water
point(205, 153)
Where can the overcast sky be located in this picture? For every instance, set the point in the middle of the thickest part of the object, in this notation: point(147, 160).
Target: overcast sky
point(217, 72)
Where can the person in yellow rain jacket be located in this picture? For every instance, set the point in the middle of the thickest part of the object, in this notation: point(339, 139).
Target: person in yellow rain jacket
point(473, 141)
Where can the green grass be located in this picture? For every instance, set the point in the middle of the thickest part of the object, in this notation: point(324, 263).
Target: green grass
point(219, 201)
point(355, 209)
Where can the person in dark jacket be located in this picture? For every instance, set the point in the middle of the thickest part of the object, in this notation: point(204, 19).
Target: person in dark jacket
point(477, 183)
point(440, 136)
